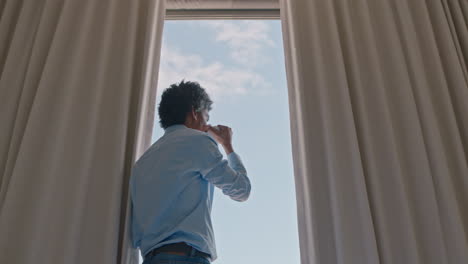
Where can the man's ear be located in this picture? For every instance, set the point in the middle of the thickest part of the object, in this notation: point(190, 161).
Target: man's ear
point(194, 114)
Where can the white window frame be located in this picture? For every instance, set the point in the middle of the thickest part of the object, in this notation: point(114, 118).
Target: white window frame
point(222, 9)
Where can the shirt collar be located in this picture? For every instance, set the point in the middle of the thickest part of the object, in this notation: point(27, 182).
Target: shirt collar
point(173, 128)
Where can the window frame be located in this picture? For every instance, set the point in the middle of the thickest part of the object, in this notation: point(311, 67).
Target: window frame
point(224, 14)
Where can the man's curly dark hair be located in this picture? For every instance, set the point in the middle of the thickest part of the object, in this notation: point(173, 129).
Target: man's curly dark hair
point(178, 100)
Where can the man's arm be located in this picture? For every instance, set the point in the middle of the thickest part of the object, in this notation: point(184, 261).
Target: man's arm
point(230, 176)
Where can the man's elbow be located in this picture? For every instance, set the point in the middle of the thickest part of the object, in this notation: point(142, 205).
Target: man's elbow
point(244, 196)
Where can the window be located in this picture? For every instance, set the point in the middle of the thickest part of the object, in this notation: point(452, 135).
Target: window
point(241, 65)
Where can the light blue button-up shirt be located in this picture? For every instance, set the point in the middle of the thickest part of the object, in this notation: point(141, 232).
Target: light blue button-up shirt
point(172, 186)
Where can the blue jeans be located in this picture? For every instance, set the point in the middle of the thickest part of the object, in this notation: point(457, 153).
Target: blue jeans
point(166, 258)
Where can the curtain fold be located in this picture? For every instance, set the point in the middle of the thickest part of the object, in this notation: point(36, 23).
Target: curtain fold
point(76, 79)
point(379, 118)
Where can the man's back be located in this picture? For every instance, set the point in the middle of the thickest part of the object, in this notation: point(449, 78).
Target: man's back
point(172, 188)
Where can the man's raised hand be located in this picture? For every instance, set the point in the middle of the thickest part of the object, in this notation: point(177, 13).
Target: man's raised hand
point(222, 135)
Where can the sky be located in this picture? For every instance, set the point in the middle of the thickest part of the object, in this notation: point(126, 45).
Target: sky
point(240, 63)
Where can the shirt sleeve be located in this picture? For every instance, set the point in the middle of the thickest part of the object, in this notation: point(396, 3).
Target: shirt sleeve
point(230, 176)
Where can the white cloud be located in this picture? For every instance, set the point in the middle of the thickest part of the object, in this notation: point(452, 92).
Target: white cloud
point(218, 79)
point(246, 39)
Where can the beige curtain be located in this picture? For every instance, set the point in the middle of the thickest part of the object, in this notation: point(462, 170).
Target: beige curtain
point(379, 111)
point(75, 92)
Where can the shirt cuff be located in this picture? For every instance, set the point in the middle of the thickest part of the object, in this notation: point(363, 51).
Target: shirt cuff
point(234, 160)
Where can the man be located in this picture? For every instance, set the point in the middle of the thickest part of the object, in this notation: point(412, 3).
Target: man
point(172, 184)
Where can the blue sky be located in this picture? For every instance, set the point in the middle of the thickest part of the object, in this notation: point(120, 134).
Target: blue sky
point(241, 65)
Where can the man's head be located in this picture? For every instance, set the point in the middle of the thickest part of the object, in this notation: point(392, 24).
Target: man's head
point(185, 103)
